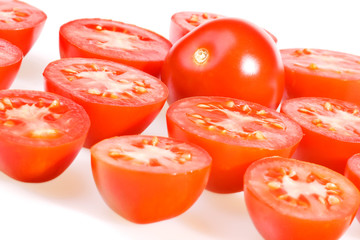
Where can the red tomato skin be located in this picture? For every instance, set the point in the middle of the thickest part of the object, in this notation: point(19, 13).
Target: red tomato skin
point(9, 71)
point(352, 172)
point(247, 65)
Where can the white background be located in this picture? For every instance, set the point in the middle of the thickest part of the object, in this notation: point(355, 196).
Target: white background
point(70, 207)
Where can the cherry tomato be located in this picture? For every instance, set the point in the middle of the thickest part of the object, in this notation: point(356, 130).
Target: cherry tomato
point(352, 172)
point(291, 199)
point(322, 73)
point(184, 22)
point(225, 57)
point(20, 23)
point(331, 130)
point(146, 178)
point(118, 99)
point(234, 132)
point(40, 134)
point(10, 62)
point(116, 41)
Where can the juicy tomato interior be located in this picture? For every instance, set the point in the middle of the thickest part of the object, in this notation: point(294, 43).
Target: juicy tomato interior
point(191, 20)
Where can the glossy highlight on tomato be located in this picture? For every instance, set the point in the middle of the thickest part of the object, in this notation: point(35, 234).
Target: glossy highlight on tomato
point(292, 199)
point(21, 23)
point(234, 132)
point(40, 134)
point(116, 41)
point(225, 57)
point(10, 61)
point(147, 179)
point(120, 100)
point(352, 172)
point(331, 130)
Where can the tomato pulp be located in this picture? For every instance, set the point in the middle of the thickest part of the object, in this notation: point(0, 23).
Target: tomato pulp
point(10, 62)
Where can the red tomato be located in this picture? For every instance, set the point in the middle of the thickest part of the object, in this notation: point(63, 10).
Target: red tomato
point(10, 62)
point(40, 134)
point(184, 22)
point(225, 57)
point(147, 179)
point(116, 41)
point(352, 172)
point(322, 73)
point(118, 99)
point(291, 199)
point(331, 130)
point(20, 23)
point(234, 132)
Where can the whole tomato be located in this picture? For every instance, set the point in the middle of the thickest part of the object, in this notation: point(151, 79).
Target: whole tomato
point(225, 57)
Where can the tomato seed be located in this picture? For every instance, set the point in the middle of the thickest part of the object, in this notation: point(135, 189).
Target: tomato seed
point(322, 200)
point(2, 106)
point(154, 141)
point(203, 105)
point(139, 89)
point(333, 200)
point(55, 103)
point(71, 71)
point(7, 102)
point(313, 66)
point(306, 51)
point(277, 125)
point(98, 27)
point(261, 112)
point(331, 186)
point(259, 135)
point(246, 108)
point(212, 127)
point(205, 15)
point(230, 104)
point(328, 106)
point(94, 91)
point(274, 185)
point(9, 123)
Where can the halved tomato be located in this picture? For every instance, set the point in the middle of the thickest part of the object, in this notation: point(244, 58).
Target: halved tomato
point(119, 99)
point(147, 178)
point(352, 172)
point(116, 41)
point(291, 199)
point(20, 23)
point(331, 130)
point(40, 134)
point(234, 132)
point(10, 61)
point(322, 73)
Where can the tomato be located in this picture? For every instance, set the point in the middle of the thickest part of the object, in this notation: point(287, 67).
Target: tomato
point(20, 23)
point(234, 132)
point(10, 62)
point(118, 99)
point(116, 41)
point(147, 178)
point(225, 57)
point(322, 73)
point(184, 22)
point(40, 134)
point(291, 199)
point(331, 130)
point(352, 172)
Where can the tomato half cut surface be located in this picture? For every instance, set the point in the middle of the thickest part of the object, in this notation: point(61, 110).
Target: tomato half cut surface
point(322, 73)
point(119, 99)
point(234, 132)
point(40, 134)
point(292, 199)
point(116, 41)
point(331, 130)
point(147, 178)
point(225, 57)
point(20, 23)
point(352, 172)
point(10, 61)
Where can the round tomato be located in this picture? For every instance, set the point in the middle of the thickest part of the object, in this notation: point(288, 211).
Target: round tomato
point(118, 99)
point(225, 57)
point(147, 179)
point(116, 41)
point(322, 73)
point(10, 62)
point(291, 199)
point(184, 22)
point(234, 132)
point(40, 134)
point(352, 172)
point(331, 130)
point(20, 23)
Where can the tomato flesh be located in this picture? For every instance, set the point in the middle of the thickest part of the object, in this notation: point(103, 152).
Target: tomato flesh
point(352, 172)
point(119, 100)
point(116, 41)
point(41, 134)
point(10, 62)
point(325, 122)
point(292, 199)
point(147, 178)
point(234, 132)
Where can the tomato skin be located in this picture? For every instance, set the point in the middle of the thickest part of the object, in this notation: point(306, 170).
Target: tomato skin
point(352, 172)
point(10, 66)
point(143, 195)
point(30, 160)
point(149, 62)
point(233, 53)
point(230, 159)
point(274, 224)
